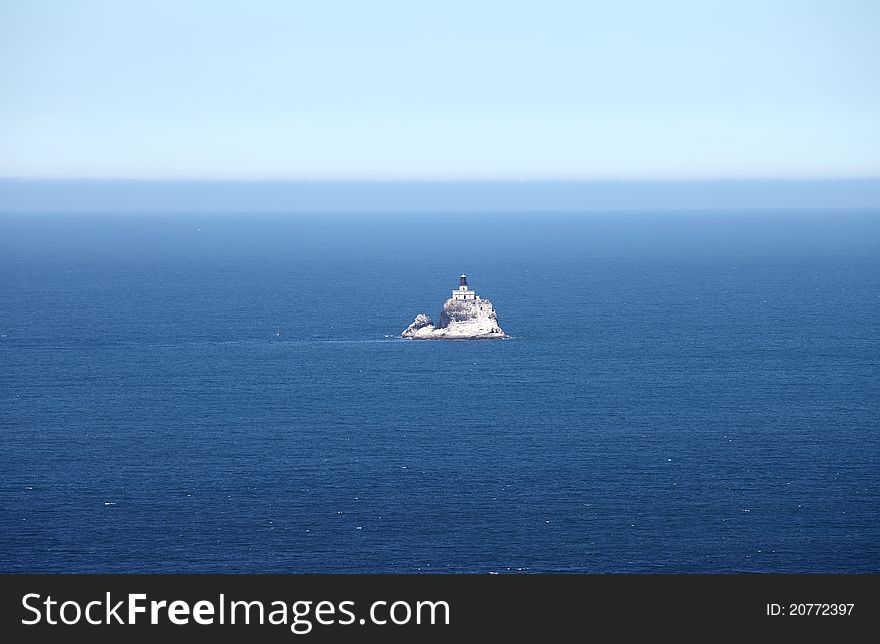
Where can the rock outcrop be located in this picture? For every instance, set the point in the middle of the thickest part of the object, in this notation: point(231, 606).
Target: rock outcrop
point(464, 317)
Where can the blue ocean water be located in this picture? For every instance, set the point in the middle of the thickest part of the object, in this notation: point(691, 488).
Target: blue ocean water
point(684, 392)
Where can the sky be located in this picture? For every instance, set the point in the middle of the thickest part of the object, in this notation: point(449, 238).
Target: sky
point(286, 90)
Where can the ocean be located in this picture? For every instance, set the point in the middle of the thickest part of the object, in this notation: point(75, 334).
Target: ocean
point(683, 392)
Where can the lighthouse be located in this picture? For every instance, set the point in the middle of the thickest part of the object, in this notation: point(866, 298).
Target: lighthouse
point(463, 292)
point(465, 316)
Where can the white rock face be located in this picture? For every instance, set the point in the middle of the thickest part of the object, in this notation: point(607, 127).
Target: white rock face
point(460, 320)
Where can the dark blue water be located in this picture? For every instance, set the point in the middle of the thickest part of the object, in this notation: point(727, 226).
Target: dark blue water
point(684, 392)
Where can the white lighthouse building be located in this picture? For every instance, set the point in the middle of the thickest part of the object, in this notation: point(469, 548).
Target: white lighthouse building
point(463, 292)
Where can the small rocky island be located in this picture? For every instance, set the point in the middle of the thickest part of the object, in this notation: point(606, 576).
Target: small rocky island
point(465, 316)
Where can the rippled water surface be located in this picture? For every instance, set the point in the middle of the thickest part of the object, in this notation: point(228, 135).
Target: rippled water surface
point(683, 392)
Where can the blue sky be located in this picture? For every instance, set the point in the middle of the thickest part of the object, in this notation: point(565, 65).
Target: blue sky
point(451, 90)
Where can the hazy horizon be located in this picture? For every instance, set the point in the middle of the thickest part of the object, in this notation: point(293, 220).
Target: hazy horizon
point(182, 196)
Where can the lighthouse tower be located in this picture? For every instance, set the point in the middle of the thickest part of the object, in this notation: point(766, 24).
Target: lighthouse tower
point(463, 292)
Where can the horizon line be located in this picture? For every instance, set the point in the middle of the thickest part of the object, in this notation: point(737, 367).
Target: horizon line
point(340, 195)
point(501, 179)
